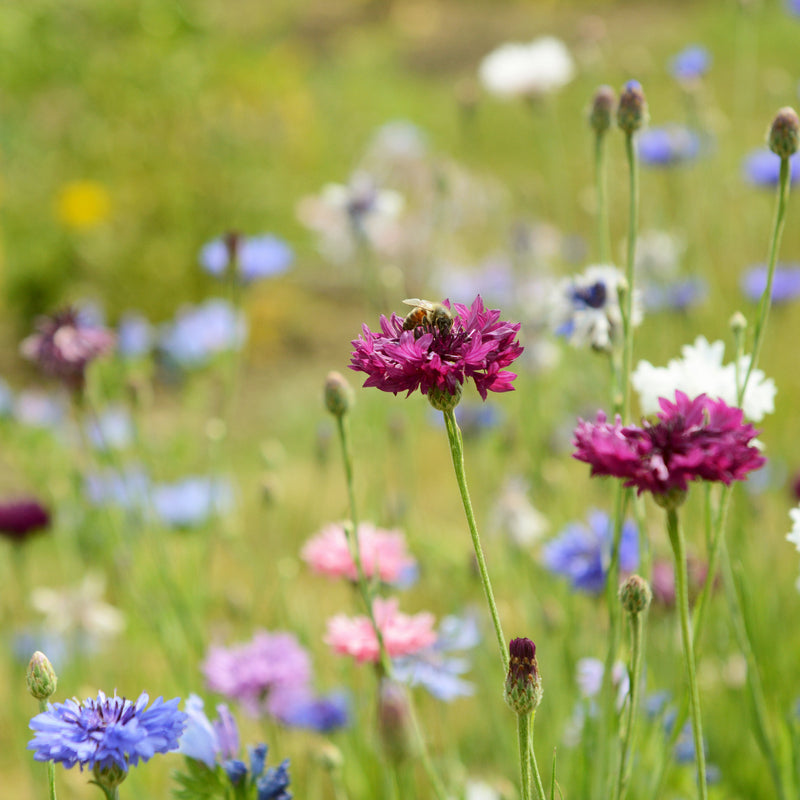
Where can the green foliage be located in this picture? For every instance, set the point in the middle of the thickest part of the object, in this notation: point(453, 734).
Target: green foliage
point(198, 782)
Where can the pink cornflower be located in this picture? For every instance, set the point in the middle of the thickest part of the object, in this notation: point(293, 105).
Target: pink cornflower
point(477, 346)
point(64, 344)
point(383, 554)
point(701, 439)
point(402, 634)
point(259, 671)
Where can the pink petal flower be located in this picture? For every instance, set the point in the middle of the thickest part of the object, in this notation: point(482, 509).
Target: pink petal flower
point(402, 634)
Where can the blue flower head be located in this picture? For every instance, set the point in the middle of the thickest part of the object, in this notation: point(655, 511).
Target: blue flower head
point(668, 146)
point(691, 63)
point(254, 257)
point(676, 296)
point(785, 283)
point(321, 713)
point(204, 740)
point(581, 552)
point(191, 501)
point(762, 168)
point(135, 336)
point(109, 733)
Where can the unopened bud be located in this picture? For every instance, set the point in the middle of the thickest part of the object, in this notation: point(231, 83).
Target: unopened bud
point(632, 108)
point(443, 400)
point(600, 112)
point(330, 757)
point(635, 595)
point(394, 721)
point(338, 394)
point(738, 323)
point(784, 133)
point(523, 690)
point(41, 677)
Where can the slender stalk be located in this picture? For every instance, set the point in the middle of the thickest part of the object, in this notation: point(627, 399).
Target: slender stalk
point(524, 736)
point(601, 198)
point(682, 596)
point(633, 223)
point(774, 246)
point(537, 780)
point(51, 767)
point(637, 649)
point(457, 452)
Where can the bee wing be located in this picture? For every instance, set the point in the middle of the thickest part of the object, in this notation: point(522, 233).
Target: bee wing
point(417, 303)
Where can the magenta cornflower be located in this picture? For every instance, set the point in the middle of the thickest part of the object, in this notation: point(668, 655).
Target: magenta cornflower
point(383, 554)
point(478, 345)
point(699, 439)
point(403, 634)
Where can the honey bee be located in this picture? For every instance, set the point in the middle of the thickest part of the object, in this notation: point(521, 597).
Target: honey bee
point(428, 316)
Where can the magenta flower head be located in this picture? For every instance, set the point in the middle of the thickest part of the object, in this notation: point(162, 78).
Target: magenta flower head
point(437, 351)
point(700, 439)
point(64, 344)
point(19, 519)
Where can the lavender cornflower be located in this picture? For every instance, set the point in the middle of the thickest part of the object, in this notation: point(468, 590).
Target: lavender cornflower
point(785, 283)
point(302, 708)
point(111, 429)
point(135, 336)
point(107, 735)
point(6, 399)
point(191, 501)
point(762, 168)
point(676, 296)
point(581, 552)
point(65, 344)
point(668, 146)
point(690, 64)
point(253, 257)
point(206, 741)
point(38, 409)
point(20, 519)
point(128, 488)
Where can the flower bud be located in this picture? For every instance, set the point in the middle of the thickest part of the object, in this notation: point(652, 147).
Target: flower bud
point(109, 777)
point(738, 323)
point(784, 133)
point(442, 400)
point(632, 108)
point(523, 690)
point(635, 595)
point(41, 677)
point(394, 721)
point(600, 111)
point(338, 394)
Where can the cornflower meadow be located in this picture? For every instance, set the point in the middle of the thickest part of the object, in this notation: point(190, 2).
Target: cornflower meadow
point(397, 401)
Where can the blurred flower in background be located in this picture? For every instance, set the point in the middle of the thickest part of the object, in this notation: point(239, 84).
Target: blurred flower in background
point(111, 429)
point(83, 204)
point(39, 409)
point(785, 283)
point(253, 257)
point(667, 146)
point(191, 501)
point(126, 488)
point(135, 335)
point(21, 518)
point(794, 535)
point(691, 64)
point(527, 70)
point(514, 515)
point(207, 741)
point(762, 168)
point(303, 708)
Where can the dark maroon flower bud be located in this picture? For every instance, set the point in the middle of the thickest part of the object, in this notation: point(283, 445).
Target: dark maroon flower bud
point(601, 108)
point(523, 690)
point(21, 518)
point(784, 133)
point(632, 109)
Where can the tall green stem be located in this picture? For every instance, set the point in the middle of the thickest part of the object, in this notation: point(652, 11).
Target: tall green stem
point(524, 736)
point(633, 224)
point(601, 198)
point(457, 452)
point(682, 597)
point(51, 767)
point(537, 780)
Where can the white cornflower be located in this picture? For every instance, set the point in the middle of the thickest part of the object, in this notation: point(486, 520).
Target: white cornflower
point(794, 535)
point(527, 70)
point(700, 371)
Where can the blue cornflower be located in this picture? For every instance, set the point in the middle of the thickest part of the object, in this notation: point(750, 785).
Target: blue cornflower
point(301, 708)
point(135, 336)
point(126, 489)
point(270, 785)
point(198, 333)
point(38, 409)
point(667, 146)
point(111, 429)
point(191, 501)
point(793, 7)
point(109, 733)
point(255, 257)
point(6, 399)
point(691, 63)
point(676, 296)
point(762, 168)
point(785, 283)
point(434, 668)
point(581, 552)
point(204, 740)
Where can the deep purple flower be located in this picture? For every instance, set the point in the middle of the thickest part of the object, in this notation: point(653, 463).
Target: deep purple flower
point(667, 146)
point(206, 741)
point(64, 344)
point(254, 256)
point(785, 283)
point(762, 168)
point(477, 346)
point(19, 519)
point(253, 671)
point(109, 733)
point(691, 63)
point(581, 552)
point(701, 439)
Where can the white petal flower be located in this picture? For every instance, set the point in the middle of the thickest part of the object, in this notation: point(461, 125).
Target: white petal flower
point(527, 70)
point(700, 371)
point(794, 535)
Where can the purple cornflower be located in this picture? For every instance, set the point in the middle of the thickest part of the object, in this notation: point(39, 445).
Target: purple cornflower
point(785, 283)
point(701, 439)
point(477, 346)
point(793, 7)
point(20, 519)
point(206, 741)
point(762, 168)
point(667, 146)
point(254, 671)
point(253, 257)
point(690, 64)
point(64, 344)
point(581, 552)
point(436, 667)
point(302, 708)
point(109, 733)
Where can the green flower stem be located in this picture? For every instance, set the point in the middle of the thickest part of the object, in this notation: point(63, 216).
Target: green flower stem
point(537, 780)
point(627, 311)
point(637, 622)
point(524, 736)
point(457, 452)
point(682, 596)
point(51, 767)
point(774, 245)
point(601, 198)
point(365, 590)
